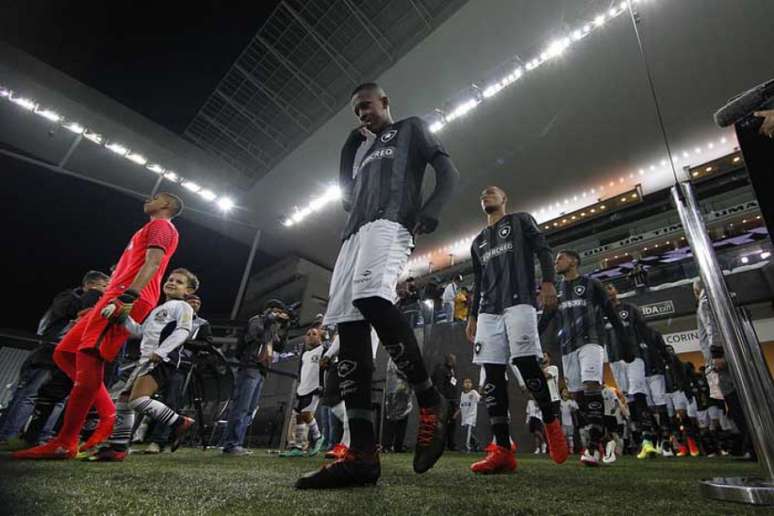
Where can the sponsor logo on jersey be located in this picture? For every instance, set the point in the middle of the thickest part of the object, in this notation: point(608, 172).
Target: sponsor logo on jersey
point(383, 153)
point(504, 231)
point(482, 244)
point(496, 251)
point(579, 289)
point(572, 303)
point(389, 135)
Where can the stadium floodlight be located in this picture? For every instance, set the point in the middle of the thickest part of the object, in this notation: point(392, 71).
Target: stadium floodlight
point(556, 48)
point(190, 185)
point(765, 255)
point(23, 102)
point(208, 195)
point(436, 126)
point(48, 114)
point(225, 204)
point(599, 20)
point(744, 259)
point(155, 167)
point(137, 158)
point(4, 92)
point(117, 148)
point(171, 176)
point(94, 137)
point(74, 127)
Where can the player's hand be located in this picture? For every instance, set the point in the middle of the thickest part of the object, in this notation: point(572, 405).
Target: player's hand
point(548, 296)
point(117, 310)
point(155, 358)
point(425, 225)
point(470, 330)
point(719, 364)
point(325, 362)
point(767, 128)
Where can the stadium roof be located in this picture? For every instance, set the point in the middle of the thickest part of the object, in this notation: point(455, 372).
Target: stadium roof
point(580, 120)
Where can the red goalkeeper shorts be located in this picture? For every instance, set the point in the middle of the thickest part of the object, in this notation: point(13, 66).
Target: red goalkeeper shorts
point(94, 331)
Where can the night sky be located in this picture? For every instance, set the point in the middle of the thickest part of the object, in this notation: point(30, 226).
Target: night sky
point(159, 59)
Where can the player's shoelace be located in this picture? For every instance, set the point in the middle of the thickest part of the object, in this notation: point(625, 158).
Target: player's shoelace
point(427, 424)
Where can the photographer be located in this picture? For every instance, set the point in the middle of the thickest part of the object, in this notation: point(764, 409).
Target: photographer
point(265, 334)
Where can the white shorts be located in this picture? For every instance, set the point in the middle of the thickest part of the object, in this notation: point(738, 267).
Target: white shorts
point(619, 374)
point(715, 412)
point(583, 365)
point(677, 400)
point(703, 418)
point(635, 377)
point(693, 410)
point(656, 390)
point(369, 265)
point(501, 338)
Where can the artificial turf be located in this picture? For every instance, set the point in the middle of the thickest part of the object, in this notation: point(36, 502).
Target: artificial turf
point(196, 482)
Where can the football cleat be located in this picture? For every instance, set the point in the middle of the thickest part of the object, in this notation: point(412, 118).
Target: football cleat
point(183, 425)
point(338, 452)
point(100, 434)
point(647, 450)
point(108, 454)
point(293, 452)
point(497, 460)
point(682, 451)
point(590, 457)
point(557, 444)
point(431, 436)
point(153, 449)
point(609, 457)
point(354, 469)
point(693, 448)
point(316, 446)
point(52, 450)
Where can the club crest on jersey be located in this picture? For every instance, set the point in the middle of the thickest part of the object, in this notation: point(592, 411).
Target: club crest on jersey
point(389, 135)
point(161, 315)
point(504, 231)
point(623, 314)
point(346, 367)
point(579, 289)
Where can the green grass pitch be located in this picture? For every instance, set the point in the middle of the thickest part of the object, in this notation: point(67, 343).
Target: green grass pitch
point(196, 482)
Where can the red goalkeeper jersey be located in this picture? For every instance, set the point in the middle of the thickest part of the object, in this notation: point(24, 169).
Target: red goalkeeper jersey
point(160, 233)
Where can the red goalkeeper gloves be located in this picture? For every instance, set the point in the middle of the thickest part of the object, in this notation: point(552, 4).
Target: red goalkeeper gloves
point(117, 310)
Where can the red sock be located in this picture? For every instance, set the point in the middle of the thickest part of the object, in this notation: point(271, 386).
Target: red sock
point(89, 369)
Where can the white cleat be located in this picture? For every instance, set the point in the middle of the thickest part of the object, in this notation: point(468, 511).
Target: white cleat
point(590, 458)
point(609, 457)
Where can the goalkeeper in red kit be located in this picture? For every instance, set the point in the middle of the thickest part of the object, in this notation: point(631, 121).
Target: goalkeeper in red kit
point(97, 338)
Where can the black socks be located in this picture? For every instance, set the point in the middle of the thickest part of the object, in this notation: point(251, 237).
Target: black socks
point(356, 369)
point(536, 383)
point(496, 399)
point(592, 405)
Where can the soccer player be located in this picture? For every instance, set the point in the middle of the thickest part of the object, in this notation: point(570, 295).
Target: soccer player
point(381, 171)
point(580, 327)
point(568, 408)
point(655, 353)
point(469, 400)
point(677, 383)
point(628, 365)
point(552, 379)
point(535, 425)
point(164, 331)
point(503, 322)
point(96, 339)
point(308, 397)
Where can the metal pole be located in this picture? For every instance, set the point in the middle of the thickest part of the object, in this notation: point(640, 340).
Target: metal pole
point(157, 185)
point(246, 274)
point(744, 358)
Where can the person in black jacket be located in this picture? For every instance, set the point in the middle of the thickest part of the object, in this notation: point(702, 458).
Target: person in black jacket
point(265, 334)
point(39, 368)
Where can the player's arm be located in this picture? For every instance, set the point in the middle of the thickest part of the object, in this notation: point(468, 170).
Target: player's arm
point(118, 309)
point(545, 256)
point(600, 299)
point(347, 161)
point(331, 353)
point(133, 327)
point(183, 326)
point(470, 329)
point(446, 178)
point(638, 321)
point(545, 319)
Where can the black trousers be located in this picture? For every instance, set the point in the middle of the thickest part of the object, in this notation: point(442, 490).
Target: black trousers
point(395, 434)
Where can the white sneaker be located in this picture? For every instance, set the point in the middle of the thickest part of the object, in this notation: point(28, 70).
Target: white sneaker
point(590, 458)
point(609, 457)
point(667, 452)
point(152, 449)
point(544, 449)
point(537, 451)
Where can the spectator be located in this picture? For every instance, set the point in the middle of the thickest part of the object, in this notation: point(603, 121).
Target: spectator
point(469, 400)
point(397, 407)
point(569, 411)
point(39, 366)
point(449, 295)
point(172, 391)
point(445, 380)
point(639, 276)
point(535, 425)
point(265, 334)
point(462, 304)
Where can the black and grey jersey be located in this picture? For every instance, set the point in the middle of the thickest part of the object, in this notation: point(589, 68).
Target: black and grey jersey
point(504, 264)
point(656, 351)
point(701, 392)
point(383, 179)
point(634, 324)
point(580, 316)
point(674, 374)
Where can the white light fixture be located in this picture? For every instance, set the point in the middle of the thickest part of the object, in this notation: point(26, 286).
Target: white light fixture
point(765, 255)
point(171, 176)
point(208, 195)
point(744, 259)
point(74, 127)
point(155, 167)
point(48, 114)
point(190, 185)
point(94, 137)
point(23, 102)
point(117, 148)
point(225, 204)
point(137, 158)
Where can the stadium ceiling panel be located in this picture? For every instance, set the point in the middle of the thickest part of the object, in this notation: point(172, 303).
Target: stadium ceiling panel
point(298, 71)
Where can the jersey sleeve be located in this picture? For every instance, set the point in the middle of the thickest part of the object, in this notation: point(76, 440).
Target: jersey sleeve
point(161, 234)
point(476, 301)
point(535, 237)
point(429, 146)
point(183, 325)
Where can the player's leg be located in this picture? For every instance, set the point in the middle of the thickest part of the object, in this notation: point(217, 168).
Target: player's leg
point(590, 360)
point(640, 413)
point(526, 353)
point(140, 401)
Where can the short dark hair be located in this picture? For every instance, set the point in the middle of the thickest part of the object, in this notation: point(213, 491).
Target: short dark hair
point(193, 281)
point(92, 276)
point(366, 86)
point(177, 203)
point(572, 254)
